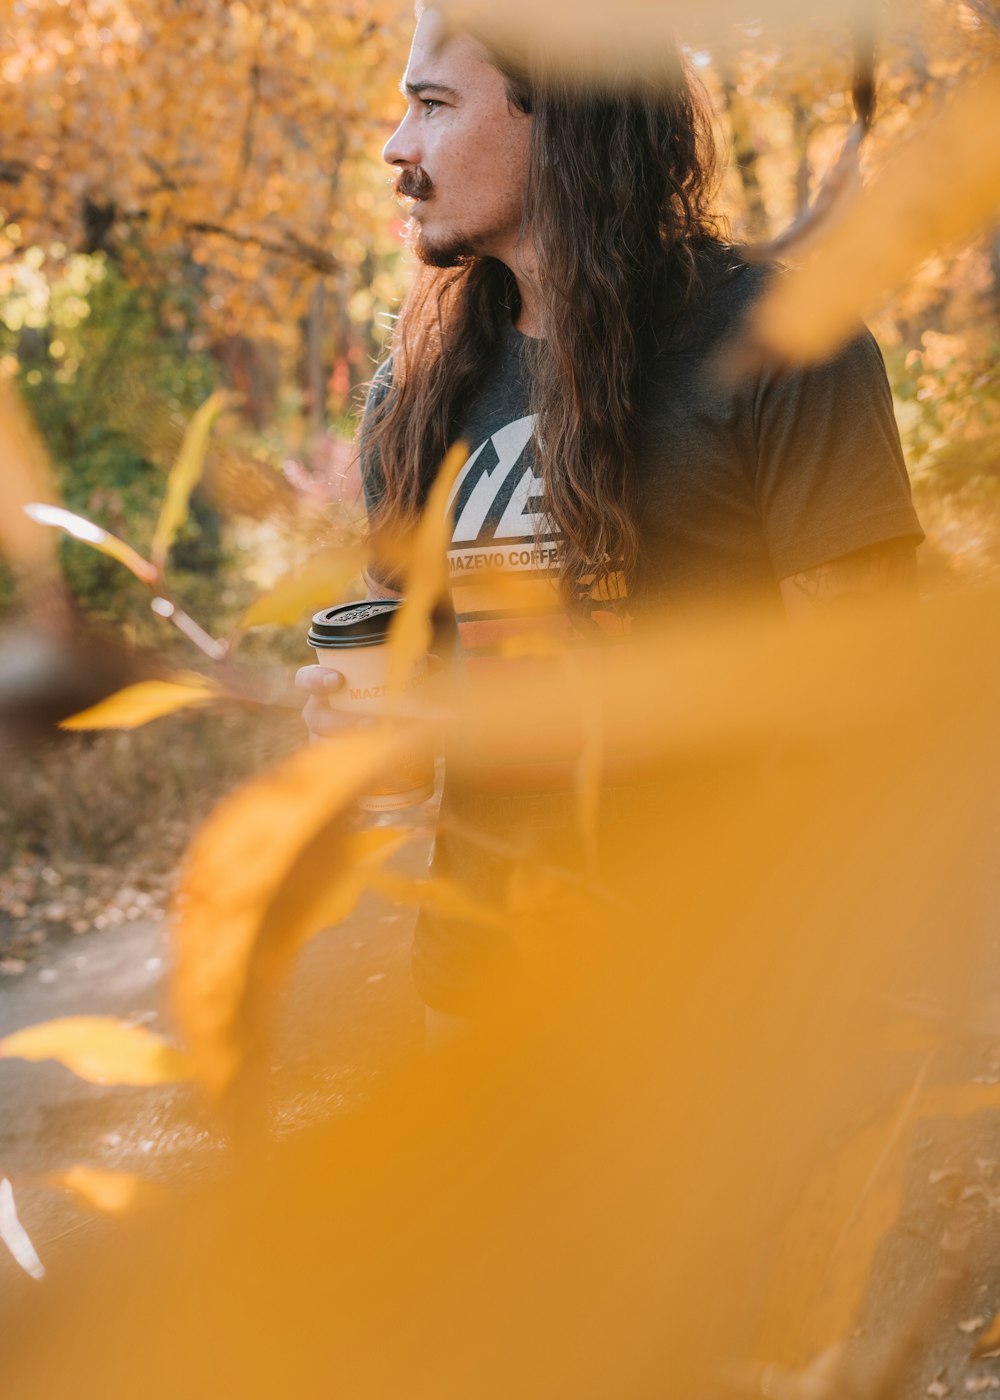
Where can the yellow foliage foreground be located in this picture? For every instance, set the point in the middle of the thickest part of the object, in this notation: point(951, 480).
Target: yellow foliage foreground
point(676, 1151)
point(100, 1049)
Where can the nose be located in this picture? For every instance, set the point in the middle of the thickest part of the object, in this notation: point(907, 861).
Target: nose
point(401, 147)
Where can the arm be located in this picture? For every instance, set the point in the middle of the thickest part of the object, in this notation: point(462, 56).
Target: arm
point(881, 573)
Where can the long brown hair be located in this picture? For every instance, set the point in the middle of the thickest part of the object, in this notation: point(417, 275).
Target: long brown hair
point(616, 200)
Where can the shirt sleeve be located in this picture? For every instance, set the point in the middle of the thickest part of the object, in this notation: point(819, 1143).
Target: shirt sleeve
point(831, 477)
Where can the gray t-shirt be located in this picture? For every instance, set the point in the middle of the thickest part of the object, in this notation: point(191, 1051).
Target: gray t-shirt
point(740, 484)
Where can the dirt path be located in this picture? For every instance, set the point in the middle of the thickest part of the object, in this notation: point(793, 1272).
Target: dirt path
point(355, 974)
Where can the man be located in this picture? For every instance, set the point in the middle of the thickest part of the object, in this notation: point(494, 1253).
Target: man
point(566, 321)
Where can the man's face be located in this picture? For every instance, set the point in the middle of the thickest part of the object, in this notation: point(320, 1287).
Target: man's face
point(461, 151)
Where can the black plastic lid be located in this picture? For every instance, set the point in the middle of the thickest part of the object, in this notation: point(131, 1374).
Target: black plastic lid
point(364, 624)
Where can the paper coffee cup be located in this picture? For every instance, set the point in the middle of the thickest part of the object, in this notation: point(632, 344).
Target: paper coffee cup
point(352, 639)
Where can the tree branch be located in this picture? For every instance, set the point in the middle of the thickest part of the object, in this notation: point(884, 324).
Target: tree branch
point(293, 247)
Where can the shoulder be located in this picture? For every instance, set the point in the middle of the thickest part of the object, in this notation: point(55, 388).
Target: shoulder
point(695, 314)
point(379, 386)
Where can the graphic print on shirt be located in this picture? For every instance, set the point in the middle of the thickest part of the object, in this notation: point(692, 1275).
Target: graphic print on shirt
point(500, 529)
point(496, 503)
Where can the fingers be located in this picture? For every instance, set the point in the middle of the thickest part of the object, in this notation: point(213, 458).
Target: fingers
point(320, 720)
point(318, 680)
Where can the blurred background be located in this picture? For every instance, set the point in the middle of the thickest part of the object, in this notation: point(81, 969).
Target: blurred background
point(192, 197)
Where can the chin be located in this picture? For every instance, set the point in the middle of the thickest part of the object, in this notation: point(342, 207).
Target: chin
point(446, 250)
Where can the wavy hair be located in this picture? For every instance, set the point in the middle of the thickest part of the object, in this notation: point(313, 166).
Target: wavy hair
point(616, 200)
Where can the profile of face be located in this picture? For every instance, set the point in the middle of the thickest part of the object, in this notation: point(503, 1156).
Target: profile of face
point(461, 150)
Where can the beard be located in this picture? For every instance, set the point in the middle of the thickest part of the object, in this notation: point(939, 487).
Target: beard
point(450, 251)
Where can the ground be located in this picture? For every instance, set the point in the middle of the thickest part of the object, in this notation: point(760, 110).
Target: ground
point(102, 948)
point(52, 1120)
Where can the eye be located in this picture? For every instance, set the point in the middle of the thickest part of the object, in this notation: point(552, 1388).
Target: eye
point(430, 104)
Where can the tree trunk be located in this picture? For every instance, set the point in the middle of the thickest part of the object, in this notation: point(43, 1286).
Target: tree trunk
point(745, 156)
point(316, 373)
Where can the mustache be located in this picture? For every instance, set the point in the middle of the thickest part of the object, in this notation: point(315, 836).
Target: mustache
point(413, 183)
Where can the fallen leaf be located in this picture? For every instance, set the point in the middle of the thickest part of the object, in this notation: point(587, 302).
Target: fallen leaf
point(95, 535)
point(107, 1192)
point(14, 1235)
point(144, 701)
point(100, 1049)
point(990, 1340)
point(184, 477)
point(971, 1324)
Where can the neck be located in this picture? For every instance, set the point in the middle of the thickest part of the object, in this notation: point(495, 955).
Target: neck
point(524, 266)
point(528, 320)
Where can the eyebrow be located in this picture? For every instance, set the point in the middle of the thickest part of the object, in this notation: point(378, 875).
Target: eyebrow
point(418, 89)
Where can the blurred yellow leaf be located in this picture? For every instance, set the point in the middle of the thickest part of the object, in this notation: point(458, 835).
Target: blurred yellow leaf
point(851, 1201)
point(319, 582)
point(24, 477)
point(184, 476)
point(146, 700)
point(320, 903)
point(270, 866)
point(426, 575)
point(941, 186)
point(100, 1049)
point(589, 38)
point(534, 644)
point(110, 1193)
point(95, 535)
point(441, 896)
point(590, 772)
point(827, 1245)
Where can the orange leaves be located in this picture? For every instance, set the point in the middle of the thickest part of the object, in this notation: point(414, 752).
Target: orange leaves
point(106, 1192)
point(24, 477)
point(849, 1204)
point(588, 38)
point(144, 701)
point(184, 476)
point(440, 896)
point(82, 101)
point(941, 186)
point(272, 865)
point(320, 581)
point(100, 1049)
point(426, 575)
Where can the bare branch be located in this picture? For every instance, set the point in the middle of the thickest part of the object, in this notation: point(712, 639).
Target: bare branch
point(844, 180)
point(292, 247)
